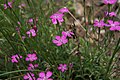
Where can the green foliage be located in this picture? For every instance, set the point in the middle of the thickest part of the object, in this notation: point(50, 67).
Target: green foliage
point(90, 60)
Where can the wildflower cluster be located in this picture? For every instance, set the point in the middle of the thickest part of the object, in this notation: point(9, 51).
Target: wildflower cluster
point(8, 5)
point(31, 60)
point(58, 16)
point(113, 25)
point(30, 76)
point(15, 58)
point(59, 40)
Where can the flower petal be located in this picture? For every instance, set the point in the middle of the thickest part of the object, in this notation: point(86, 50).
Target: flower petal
point(25, 77)
point(112, 28)
point(118, 28)
point(59, 44)
point(63, 10)
point(59, 68)
point(60, 20)
point(50, 79)
point(58, 37)
point(42, 74)
point(39, 79)
point(116, 23)
point(48, 74)
point(27, 59)
point(54, 21)
point(110, 21)
point(55, 41)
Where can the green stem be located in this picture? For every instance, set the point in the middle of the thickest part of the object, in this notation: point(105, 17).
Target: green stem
point(11, 72)
point(117, 48)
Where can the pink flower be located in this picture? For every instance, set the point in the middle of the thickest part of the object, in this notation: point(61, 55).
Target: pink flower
point(62, 67)
point(114, 25)
point(109, 1)
point(8, 5)
point(23, 38)
point(99, 23)
point(67, 33)
point(18, 22)
point(30, 20)
point(31, 57)
point(15, 58)
point(32, 67)
point(63, 10)
point(111, 14)
point(60, 40)
point(57, 17)
point(43, 76)
point(29, 76)
point(5, 6)
point(31, 31)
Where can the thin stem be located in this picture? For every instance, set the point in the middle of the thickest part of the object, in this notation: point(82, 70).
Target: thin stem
point(76, 20)
point(117, 48)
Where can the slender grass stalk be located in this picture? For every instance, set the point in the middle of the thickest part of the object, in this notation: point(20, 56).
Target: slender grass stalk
point(117, 48)
point(17, 71)
point(76, 20)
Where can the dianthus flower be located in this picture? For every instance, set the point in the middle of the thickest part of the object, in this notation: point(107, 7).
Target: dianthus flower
point(99, 23)
point(43, 76)
point(18, 22)
point(31, 31)
point(29, 76)
point(15, 58)
point(8, 5)
point(109, 1)
point(57, 17)
point(114, 25)
point(30, 20)
point(63, 10)
point(31, 57)
point(32, 66)
point(23, 38)
point(62, 67)
point(111, 14)
point(60, 40)
point(67, 33)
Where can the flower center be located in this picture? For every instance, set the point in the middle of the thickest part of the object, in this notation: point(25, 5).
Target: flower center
point(60, 40)
point(113, 25)
point(31, 58)
point(56, 16)
point(45, 78)
point(63, 67)
point(67, 32)
point(99, 24)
